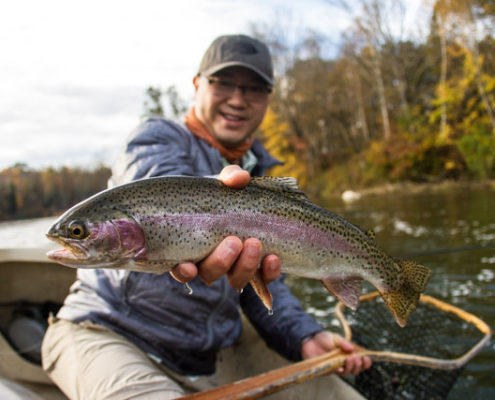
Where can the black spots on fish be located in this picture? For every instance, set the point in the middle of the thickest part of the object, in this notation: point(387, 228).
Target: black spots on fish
point(321, 253)
point(349, 258)
point(184, 241)
point(388, 281)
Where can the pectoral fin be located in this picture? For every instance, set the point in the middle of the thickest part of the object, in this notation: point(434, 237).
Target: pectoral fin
point(346, 289)
point(262, 291)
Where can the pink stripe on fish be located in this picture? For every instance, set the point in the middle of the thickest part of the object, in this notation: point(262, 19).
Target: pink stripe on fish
point(249, 224)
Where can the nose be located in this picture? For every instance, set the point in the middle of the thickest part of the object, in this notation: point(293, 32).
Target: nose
point(237, 99)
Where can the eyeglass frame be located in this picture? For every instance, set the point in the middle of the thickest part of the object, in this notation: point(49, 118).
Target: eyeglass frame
point(267, 89)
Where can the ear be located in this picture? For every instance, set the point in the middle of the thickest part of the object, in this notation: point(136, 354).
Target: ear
point(196, 82)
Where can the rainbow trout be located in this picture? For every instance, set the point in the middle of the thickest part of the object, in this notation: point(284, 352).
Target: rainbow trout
point(151, 225)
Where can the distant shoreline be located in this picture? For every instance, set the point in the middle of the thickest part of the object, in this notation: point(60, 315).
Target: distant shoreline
point(403, 187)
point(426, 187)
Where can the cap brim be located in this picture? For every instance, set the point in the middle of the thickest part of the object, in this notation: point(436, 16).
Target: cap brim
point(219, 67)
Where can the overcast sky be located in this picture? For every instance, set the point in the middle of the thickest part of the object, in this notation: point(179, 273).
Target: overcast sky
point(73, 73)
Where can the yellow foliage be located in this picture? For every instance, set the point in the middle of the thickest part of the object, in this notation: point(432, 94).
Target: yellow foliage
point(489, 82)
point(450, 165)
point(276, 138)
point(459, 98)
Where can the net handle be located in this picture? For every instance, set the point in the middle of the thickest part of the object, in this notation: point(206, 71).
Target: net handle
point(275, 380)
point(437, 363)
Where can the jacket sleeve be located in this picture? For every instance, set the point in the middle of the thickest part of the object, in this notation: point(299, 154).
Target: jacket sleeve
point(285, 330)
point(157, 147)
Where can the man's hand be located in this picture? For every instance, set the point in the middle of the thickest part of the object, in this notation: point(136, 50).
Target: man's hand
point(238, 260)
point(325, 341)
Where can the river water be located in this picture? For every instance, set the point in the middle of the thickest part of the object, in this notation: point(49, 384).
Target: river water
point(453, 230)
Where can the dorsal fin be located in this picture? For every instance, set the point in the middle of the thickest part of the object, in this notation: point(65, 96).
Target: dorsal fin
point(286, 185)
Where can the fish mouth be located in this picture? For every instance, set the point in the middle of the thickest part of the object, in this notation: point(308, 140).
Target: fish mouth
point(69, 255)
point(75, 255)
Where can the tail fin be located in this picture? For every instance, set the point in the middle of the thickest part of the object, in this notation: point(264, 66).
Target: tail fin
point(402, 301)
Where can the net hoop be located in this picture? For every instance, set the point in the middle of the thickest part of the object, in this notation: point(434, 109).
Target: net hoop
point(422, 361)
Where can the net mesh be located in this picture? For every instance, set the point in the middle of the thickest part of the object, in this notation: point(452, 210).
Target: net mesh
point(429, 332)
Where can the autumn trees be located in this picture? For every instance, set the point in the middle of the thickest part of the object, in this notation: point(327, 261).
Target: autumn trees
point(391, 107)
point(27, 193)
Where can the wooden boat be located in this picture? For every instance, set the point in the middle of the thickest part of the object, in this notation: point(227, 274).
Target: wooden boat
point(28, 278)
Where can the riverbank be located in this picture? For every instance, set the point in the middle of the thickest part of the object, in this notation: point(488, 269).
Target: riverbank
point(351, 193)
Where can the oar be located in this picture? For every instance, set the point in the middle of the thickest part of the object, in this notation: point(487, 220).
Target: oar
point(275, 380)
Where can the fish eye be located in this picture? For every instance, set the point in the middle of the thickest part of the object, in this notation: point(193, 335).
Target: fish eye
point(77, 230)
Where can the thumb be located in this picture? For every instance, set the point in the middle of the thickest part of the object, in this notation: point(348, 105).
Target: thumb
point(343, 343)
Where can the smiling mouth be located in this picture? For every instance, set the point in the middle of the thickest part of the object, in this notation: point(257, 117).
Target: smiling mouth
point(232, 118)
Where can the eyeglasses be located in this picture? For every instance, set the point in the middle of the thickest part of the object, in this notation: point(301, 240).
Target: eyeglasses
point(251, 93)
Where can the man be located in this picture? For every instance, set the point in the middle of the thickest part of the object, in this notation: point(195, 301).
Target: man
point(129, 335)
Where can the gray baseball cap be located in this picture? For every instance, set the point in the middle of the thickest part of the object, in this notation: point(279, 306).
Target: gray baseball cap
point(238, 50)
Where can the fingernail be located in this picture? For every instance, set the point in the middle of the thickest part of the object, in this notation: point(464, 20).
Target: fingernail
point(175, 276)
point(229, 172)
point(253, 248)
point(253, 251)
point(273, 265)
point(232, 246)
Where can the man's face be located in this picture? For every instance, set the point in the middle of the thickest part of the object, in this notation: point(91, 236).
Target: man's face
point(230, 119)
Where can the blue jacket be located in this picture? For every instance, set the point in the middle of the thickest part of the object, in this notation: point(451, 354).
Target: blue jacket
point(154, 311)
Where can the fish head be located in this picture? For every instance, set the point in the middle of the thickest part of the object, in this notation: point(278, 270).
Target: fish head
point(110, 239)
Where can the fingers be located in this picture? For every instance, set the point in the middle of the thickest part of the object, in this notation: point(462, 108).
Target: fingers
point(311, 349)
point(220, 261)
point(246, 265)
point(343, 343)
point(234, 176)
point(270, 268)
point(354, 365)
point(239, 261)
point(249, 261)
point(319, 344)
point(326, 341)
point(367, 363)
point(212, 267)
point(185, 272)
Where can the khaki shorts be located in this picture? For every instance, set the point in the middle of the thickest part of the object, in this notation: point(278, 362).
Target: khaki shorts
point(90, 362)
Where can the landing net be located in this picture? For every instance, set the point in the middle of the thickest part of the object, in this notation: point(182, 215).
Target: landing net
point(438, 336)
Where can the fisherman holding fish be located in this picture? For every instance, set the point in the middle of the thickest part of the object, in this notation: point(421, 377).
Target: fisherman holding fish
point(124, 334)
